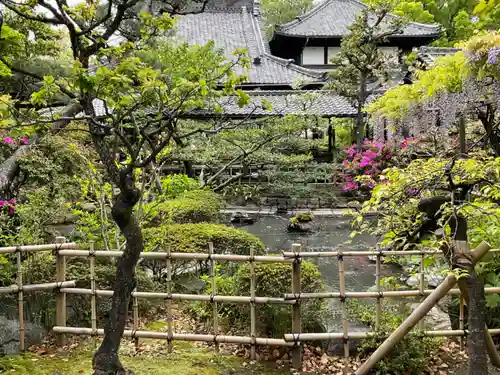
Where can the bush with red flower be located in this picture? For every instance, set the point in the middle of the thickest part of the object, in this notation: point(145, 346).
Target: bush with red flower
point(8, 206)
point(361, 169)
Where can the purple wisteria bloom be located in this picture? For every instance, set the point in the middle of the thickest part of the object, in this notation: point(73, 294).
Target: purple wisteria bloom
point(493, 55)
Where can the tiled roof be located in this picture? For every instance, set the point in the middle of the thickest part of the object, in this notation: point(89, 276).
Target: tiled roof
point(333, 17)
point(230, 29)
point(428, 55)
point(283, 102)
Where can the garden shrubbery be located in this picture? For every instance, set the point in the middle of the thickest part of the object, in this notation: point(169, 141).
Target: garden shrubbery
point(40, 307)
point(409, 356)
point(194, 238)
point(272, 280)
point(197, 206)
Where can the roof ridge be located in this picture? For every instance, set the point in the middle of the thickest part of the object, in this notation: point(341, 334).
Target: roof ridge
point(289, 63)
point(288, 92)
point(306, 15)
point(300, 19)
point(261, 48)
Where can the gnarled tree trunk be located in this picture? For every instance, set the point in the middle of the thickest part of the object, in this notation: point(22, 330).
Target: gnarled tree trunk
point(106, 361)
point(476, 344)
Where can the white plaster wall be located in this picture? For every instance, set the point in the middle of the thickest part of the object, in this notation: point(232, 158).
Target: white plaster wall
point(313, 56)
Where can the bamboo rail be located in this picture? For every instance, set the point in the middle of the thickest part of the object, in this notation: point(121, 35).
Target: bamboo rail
point(294, 340)
point(179, 336)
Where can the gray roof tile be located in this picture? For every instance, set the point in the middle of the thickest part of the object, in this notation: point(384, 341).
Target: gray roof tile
point(333, 18)
point(283, 102)
point(239, 28)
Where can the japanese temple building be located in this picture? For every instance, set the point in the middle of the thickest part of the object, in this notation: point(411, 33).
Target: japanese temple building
point(295, 62)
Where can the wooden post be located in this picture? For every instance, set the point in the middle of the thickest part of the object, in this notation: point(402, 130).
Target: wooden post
point(417, 314)
point(331, 139)
point(296, 319)
point(20, 301)
point(60, 297)
point(463, 246)
point(253, 329)
point(421, 287)
point(93, 304)
point(378, 311)
point(461, 320)
point(170, 318)
point(215, 310)
point(345, 323)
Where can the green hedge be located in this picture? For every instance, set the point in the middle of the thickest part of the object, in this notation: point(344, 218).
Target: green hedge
point(272, 280)
point(196, 206)
point(194, 238)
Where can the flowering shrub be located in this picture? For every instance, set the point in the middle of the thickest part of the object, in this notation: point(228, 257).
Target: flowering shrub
point(12, 141)
point(361, 169)
point(482, 53)
point(8, 204)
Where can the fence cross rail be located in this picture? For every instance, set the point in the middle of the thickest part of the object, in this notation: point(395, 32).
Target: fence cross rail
point(295, 339)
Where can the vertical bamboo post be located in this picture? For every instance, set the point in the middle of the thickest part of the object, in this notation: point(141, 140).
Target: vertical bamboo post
point(93, 305)
point(461, 320)
point(421, 287)
point(170, 318)
point(296, 318)
point(345, 323)
point(20, 300)
point(215, 309)
point(378, 306)
point(252, 304)
point(60, 297)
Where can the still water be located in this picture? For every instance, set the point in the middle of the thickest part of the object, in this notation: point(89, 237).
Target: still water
point(330, 234)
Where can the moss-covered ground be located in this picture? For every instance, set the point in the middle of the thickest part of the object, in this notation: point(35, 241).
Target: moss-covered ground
point(186, 361)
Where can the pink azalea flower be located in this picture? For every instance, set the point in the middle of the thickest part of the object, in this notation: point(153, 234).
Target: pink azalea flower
point(2, 203)
point(8, 140)
point(12, 210)
point(26, 140)
point(387, 156)
point(12, 202)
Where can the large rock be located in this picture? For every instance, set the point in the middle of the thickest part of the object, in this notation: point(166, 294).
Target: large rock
point(9, 335)
point(336, 347)
point(300, 227)
point(241, 217)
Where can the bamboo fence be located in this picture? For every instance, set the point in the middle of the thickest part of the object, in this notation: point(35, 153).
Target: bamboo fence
point(63, 250)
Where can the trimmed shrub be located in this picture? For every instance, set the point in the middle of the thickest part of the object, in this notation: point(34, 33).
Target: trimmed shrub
point(272, 280)
point(196, 206)
point(194, 238)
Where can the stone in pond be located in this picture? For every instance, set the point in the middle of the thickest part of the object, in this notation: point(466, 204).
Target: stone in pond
point(241, 217)
point(9, 336)
point(299, 227)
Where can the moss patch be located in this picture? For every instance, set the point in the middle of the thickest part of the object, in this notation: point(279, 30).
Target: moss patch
point(193, 362)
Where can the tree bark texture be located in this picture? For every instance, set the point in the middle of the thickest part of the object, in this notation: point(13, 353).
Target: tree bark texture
point(476, 344)
point(106, 361)
point(461, 259)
